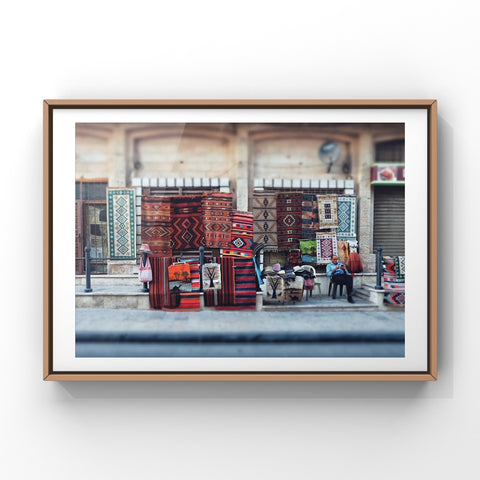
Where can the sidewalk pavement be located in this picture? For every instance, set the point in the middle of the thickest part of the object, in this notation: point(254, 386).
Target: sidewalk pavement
point(210, 333)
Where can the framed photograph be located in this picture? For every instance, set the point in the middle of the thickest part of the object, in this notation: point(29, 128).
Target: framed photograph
point(240, 240)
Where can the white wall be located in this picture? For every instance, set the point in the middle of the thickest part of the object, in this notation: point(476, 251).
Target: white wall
point(249, 49)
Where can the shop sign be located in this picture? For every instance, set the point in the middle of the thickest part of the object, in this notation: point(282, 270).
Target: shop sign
point(388, 173)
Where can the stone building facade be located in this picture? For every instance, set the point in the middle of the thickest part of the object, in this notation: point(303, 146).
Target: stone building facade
point(242, 159)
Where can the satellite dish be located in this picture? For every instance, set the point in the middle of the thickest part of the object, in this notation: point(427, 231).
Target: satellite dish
point(329, 153)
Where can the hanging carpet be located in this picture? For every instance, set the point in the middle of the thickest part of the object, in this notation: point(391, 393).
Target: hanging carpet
point(245, 284)
point(400, 268)
point(156, 230)
point(217, 222)
point(326, 247)
point(187, 222)
point(211, 275)
point(121, 223)
point(265, 220)
point(226, 295)
point(310, 223)
point(241, 244)
point(327, 211)
point(274, 289)
point(160, 294)
point(289, 220)
point(347, 216)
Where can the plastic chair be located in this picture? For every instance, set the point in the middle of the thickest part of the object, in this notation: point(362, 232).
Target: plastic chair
point(334, 285)
point(311, 269)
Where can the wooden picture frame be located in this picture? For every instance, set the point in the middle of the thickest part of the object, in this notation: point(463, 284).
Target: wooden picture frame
point(419, 118)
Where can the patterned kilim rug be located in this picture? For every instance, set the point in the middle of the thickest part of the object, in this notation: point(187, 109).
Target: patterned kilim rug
point(121, 223)
point(347, 216)
point(327, 211)
point(160, 296)
point(289, 220)
point(242, 235)
point(394, 298)
point(265, 220)
point(217, 221)
point(156, 229)
point(326, 247)
point(309, 216)
point(187, 222)
point(245, 284)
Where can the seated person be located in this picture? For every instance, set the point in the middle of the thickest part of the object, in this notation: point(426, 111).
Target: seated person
point(340, 276)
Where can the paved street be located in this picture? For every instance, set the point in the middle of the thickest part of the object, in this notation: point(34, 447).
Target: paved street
point(210, 333)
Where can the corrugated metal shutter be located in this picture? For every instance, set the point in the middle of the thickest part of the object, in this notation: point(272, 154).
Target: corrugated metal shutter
point(389, 219)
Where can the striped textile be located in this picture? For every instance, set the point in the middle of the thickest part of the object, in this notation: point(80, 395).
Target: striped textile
point(226, 295)
point(195, 276)
point(309, 216)
point(289, 220)
point(245, 284)
point(156, 229)
point(187, 222)
point(265, 220)
point(327, 211)
point(160, 296)
point(242, 235)
point(216, 212)
point(189, 302)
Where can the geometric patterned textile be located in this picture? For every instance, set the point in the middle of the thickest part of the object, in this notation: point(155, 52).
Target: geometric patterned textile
point(342, 249)
point(327, 211)
point(347, 216)
point(326, 247)
point(309, 216)
point(394, 286)
point(265, 220)
point(389, 265)
point(245, 284)
point(187, 222)
point(121, 223)
point(289, 220)
point(400, 268)
point(394, 298)
point(242, 235)
point(156, 229)
point(216, 210)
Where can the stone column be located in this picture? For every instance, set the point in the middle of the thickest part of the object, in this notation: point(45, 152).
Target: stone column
point(242, 164)
point(118, 158)
point(366, 157)
point(117, 163)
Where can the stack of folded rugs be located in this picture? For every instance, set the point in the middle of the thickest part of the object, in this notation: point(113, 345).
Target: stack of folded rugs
point(394, 280)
